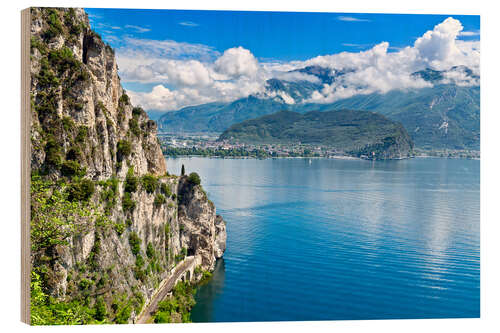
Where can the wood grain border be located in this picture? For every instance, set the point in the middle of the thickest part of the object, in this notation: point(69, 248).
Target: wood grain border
point(25, 165)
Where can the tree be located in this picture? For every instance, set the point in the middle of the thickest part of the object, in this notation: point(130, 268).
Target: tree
point(183, 170)
point(100, 309)
point(194, 178)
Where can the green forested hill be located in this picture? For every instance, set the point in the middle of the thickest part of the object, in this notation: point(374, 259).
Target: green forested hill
point(355, 132)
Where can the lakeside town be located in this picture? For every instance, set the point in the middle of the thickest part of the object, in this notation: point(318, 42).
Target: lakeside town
point(207, 145)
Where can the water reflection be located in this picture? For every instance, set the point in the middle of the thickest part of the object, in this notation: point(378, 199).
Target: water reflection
point(206, 295)
point(342, 239)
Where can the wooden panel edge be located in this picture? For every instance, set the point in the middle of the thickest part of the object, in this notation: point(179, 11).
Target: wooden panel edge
point(25, 164)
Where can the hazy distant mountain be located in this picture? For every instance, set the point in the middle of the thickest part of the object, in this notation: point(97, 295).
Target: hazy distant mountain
point(444, 116)
point(216, 117)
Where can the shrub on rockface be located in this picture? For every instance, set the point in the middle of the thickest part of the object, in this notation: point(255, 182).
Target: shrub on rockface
point(53, 214)
point(54, 24)
point(128, 204)
point(83, 132)
point(81, 190)
point(138, 111)
point(134, 127)
point(63, 59)
point(123, 315)
point(53, 156)
point(46, 310)
point(37, 43)
point(123, 149)
point(159, 200)
point(46, 77)
point(72, 168)
point(165, 189)
point(135, 243)
point(100, 309)
point(139, 261)
point(70, 20)
point(131, 181)
point(150, 251)
point(119, 228)
point(149, 183)
point(194, 178)
point(124, 99)
point(109, 189)
point(68, 124)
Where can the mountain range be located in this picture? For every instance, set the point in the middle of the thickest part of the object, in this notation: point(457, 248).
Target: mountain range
point(445, 115)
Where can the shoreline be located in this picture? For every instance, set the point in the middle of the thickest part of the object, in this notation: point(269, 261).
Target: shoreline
point(448, 157)
point(337, 157)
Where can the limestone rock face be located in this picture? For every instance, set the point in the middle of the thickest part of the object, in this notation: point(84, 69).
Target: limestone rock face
point(84, 91)
point(202, 231)
point(220, 236)
point(82, 119)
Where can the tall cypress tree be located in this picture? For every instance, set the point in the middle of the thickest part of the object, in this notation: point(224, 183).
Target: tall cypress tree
point(183, 171)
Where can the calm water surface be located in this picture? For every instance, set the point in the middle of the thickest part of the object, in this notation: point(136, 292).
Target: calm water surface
point(326, 239)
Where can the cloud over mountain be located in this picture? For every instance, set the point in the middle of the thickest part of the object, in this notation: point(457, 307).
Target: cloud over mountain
point(190, 74)
point(438, 47)
point(236, 62)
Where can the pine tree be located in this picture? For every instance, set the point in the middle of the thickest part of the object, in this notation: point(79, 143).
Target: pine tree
point(183, 171)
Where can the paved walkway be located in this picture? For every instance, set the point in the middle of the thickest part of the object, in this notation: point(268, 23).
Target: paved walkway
point(165, 287)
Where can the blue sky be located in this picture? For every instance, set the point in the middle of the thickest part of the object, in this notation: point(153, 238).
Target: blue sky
point(275, 35)
point(169, 59)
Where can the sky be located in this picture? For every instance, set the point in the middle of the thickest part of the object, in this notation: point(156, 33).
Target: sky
point(169, 59)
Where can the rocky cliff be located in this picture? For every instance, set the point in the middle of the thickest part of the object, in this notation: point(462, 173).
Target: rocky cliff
point(108, 222)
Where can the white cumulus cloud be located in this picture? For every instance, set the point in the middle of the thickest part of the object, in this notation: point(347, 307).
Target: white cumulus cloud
point(236, 62)
point(186, 74)
point(438, 47)
point(162, 98)
point(377, 70)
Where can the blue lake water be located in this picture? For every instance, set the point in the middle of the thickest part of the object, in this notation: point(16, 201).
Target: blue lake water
point(326, 239)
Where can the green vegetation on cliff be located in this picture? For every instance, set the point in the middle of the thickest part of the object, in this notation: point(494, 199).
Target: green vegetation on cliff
point(176, 308)
point(194, 178)
point(46, 310)
point(58, 218)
